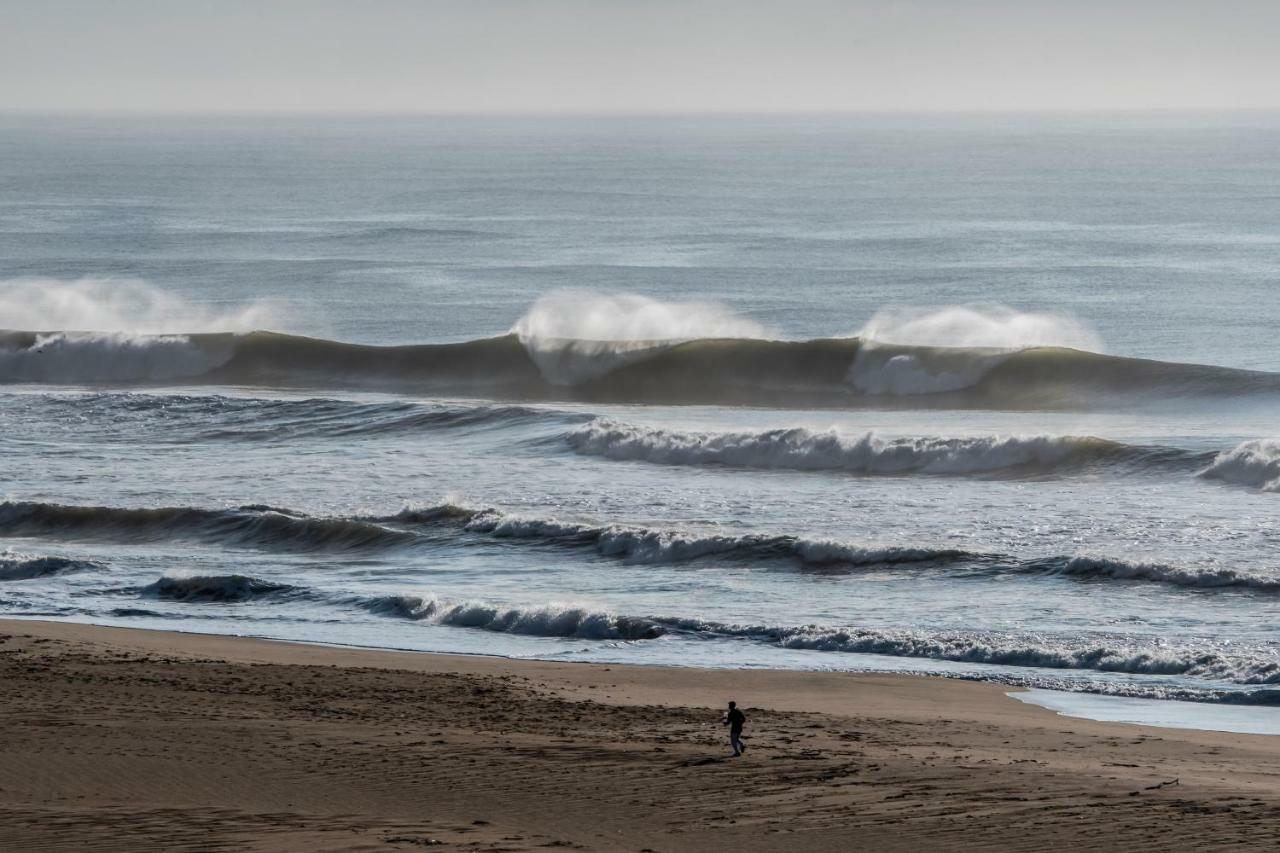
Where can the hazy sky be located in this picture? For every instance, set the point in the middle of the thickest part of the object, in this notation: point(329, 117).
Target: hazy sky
point(638, 55)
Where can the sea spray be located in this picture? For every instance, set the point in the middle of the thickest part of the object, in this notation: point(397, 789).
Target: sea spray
point(576, 336)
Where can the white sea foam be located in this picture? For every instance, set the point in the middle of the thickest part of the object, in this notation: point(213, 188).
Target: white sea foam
point(577, 336)
point(1253, 463)
point(805, 450)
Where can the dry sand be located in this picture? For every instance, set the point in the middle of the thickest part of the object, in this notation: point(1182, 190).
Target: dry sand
point(126, 740)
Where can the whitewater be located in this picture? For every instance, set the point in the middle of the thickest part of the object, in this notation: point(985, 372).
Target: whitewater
point(566, 391)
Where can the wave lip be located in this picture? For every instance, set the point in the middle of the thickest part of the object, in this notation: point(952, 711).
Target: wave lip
point(647, 545)
point(800, 449)
point(550, 620)
point(20, 567)
point(1253, 463)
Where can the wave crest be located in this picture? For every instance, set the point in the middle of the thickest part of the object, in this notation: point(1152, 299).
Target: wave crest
point(213, 588)
point(21, 567)
point(549, 620)
point(803, 450)
point(80, 357)
point(1252, 463)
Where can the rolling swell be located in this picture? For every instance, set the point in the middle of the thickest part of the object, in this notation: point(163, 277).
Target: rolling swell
point(656, 546)
point(838, 372)
point(800, 449)
point(269, 528)
point(19, 567)
point(186, 418)
point(253, 526)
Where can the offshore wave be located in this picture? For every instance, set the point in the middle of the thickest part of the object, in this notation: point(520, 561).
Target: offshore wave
point(805, 450)
point(21, 567)
point(840, 372)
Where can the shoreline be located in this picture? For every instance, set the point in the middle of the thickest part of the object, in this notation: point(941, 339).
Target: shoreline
point(1096, 706)
point(133, 739)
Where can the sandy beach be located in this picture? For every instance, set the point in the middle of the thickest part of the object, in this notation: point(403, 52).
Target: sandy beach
point(120, 739)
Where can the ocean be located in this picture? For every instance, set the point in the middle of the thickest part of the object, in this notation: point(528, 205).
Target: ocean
point(981, 396)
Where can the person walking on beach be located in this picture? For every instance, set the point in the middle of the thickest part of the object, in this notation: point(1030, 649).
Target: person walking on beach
point(734, 719)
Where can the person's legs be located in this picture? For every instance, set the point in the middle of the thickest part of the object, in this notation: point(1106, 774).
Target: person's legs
point(735, 740)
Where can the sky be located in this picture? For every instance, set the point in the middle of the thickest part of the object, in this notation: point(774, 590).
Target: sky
point(638, 55)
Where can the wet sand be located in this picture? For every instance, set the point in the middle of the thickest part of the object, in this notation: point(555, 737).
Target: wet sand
point(127, 740)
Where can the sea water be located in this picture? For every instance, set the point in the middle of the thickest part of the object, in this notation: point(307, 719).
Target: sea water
point(980, 396)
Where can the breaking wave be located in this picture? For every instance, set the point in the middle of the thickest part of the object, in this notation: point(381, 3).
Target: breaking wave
point(567, 620)
point(1252, 463)
point(707, 371)
point(550, 620)
point(805, 450)
point(647, 545)
point(20, 567)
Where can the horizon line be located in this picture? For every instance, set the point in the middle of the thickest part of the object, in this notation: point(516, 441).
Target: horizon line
point(625, 113)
